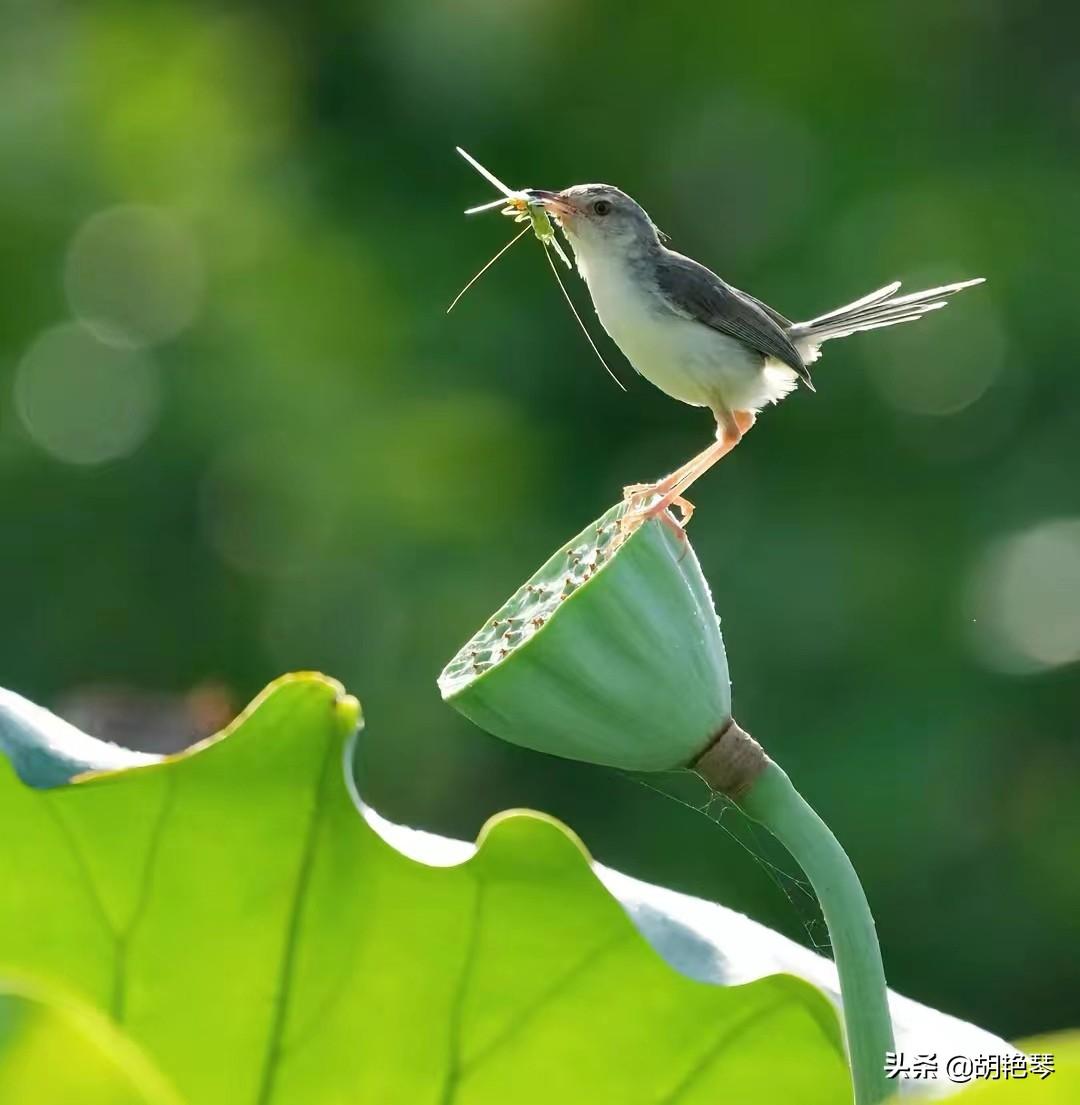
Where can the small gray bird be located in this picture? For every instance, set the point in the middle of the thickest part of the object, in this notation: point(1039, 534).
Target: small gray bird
point(695, 336)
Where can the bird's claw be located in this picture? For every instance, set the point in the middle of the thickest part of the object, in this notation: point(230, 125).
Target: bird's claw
point(644, 501)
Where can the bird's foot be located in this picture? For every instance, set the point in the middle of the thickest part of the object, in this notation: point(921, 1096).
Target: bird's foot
point(655, 500)
point(640, 495)
point(634, 491)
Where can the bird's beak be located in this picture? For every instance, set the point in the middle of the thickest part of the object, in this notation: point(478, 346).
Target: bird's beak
point(553, 202)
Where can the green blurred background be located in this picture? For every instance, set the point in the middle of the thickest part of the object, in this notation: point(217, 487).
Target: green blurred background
point(238, 434)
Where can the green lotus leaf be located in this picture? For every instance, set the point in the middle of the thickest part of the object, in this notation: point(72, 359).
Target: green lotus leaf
point(56, 1050)
point(235, 916)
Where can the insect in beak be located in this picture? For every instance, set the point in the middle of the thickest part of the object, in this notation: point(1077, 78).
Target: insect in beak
point(524, 205)
point(531, 205)
point(553, 202)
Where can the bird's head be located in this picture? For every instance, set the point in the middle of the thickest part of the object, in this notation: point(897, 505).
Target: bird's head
point(600, 218)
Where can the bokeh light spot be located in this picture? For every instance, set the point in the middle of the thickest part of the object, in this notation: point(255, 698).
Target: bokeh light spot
point(133, 275)
point(1024, 601)
point(946, 361)
point(83, 401)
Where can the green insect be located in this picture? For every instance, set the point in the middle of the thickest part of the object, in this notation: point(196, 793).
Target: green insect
point(542, 228)
point(520, 206)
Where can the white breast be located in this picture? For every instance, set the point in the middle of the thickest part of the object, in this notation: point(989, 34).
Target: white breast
point(686, 359)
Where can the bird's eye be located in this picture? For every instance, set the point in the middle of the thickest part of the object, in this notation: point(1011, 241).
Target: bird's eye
point(602, 207)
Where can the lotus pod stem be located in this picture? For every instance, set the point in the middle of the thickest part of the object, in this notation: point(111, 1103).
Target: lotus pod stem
point(737, 766)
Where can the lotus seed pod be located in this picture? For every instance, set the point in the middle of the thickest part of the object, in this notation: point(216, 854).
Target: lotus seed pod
point(611, 654)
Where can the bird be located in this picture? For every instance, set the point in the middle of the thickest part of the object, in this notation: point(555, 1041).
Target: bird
point(696, 337)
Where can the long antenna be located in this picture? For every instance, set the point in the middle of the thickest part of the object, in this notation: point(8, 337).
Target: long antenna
point(489, 176)
point(500, 202)
point(574, 312)
point(524, 230)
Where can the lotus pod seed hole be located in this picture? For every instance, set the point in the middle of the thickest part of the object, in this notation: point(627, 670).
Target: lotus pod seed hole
point(528, 612)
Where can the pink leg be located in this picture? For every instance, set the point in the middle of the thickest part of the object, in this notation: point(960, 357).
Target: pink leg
point(730, 431)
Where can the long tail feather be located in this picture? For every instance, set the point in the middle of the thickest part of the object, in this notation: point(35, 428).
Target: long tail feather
point(873, 297)
point(880, 308)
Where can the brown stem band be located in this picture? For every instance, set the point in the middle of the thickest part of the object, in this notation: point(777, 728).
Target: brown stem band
point(732, 761)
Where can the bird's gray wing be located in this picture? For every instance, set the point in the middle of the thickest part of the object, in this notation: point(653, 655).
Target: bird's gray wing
point(784, 323)
point(692, 291)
